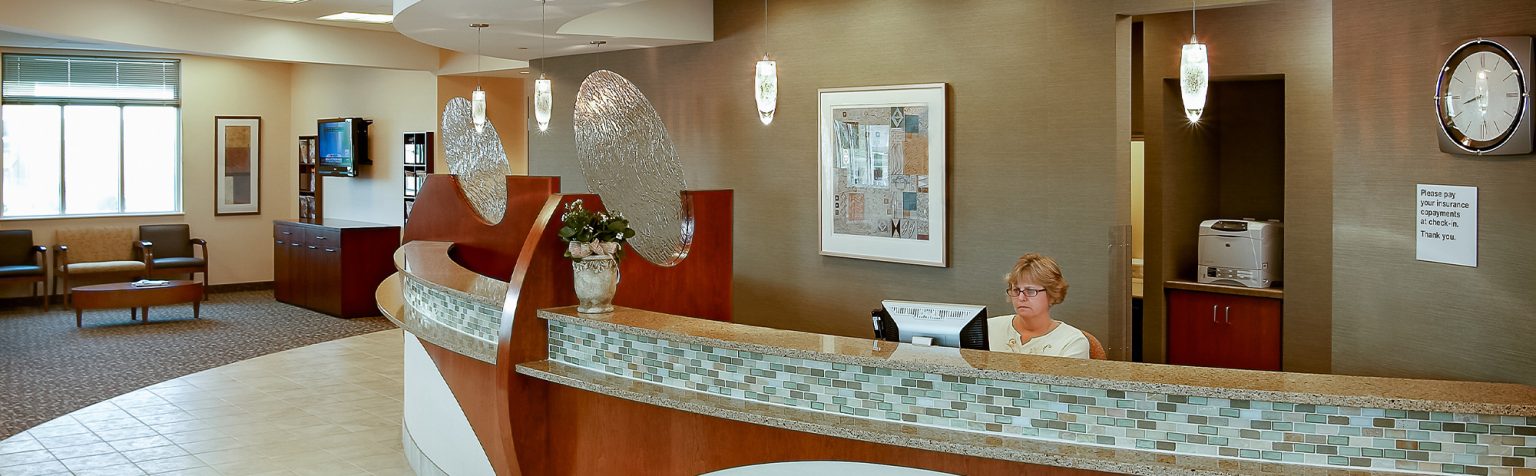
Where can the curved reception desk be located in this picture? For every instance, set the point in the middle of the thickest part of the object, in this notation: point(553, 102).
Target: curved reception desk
point(505, 378)
point(640, 391)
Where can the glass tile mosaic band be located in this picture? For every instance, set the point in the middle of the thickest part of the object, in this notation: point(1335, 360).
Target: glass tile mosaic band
point(1377, 439)
point(468, 316)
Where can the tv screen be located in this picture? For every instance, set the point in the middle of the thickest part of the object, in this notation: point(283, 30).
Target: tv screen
point(343, 145)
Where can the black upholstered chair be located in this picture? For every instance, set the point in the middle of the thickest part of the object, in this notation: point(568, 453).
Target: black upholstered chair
point(22, 261)
point(168, 250)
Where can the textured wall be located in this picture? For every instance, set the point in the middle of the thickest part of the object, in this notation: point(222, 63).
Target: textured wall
point(1396, 315)
point(1292, 39)
point(506, 108)
point(1038, 153)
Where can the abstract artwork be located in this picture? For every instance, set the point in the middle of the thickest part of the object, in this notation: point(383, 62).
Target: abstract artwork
point(477, 157)
point(881, 174)
point(237, 165)
point(630, 162)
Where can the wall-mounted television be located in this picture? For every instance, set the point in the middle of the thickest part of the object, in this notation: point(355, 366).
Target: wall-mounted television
point(343, 146)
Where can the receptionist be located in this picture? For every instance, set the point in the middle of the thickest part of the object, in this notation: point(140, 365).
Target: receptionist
point(1034, 285)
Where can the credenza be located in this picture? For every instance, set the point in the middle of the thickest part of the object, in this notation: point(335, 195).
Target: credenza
point(332, 266)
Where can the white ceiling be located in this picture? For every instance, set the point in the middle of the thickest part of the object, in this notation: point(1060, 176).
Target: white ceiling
point(306, 12)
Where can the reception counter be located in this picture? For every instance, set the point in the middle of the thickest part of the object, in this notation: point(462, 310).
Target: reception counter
point(503, 377)
point(641, 387)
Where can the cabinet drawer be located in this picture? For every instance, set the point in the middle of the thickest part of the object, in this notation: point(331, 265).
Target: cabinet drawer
point(322, 238)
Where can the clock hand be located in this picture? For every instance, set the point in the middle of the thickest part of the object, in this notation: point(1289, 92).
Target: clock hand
point(1474, 98)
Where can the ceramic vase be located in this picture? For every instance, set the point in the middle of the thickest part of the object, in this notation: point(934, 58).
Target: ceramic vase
point(597, 279)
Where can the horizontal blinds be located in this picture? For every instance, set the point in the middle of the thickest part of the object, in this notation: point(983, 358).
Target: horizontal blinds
point(85, 79)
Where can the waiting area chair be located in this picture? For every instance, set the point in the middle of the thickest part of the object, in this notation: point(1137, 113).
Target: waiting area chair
point(168, 250)
point(95, 251)
point(22, 261)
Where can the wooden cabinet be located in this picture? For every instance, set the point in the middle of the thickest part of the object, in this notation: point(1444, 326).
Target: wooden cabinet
point(1211, 329)
point(332, 266)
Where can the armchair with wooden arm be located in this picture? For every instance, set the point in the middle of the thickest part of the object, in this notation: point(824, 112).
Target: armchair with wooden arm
point(22, 261)
point(168, 249)
point(100, 250)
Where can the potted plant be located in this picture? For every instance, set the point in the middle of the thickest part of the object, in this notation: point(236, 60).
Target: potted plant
point(595, 243)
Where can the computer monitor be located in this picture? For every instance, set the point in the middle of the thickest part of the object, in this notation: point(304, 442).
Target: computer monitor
point(949, 325)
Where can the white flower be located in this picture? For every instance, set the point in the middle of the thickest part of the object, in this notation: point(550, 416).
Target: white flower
point(578, 250)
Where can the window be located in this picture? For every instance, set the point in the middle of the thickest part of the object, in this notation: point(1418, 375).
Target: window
point(85, 136)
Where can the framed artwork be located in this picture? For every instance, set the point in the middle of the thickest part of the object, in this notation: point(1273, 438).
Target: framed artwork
point(237, 165)
point(881, 175)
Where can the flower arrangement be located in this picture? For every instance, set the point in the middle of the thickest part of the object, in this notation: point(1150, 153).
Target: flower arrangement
point(593, 234)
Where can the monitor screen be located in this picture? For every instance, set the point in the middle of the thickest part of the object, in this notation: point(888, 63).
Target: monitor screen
point(948, 325)
point(335, 143)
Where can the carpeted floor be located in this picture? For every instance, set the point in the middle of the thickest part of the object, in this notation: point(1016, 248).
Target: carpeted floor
point(49, 368)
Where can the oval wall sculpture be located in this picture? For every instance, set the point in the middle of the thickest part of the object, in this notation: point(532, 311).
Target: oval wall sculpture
point(478, 159)
point(629, 161)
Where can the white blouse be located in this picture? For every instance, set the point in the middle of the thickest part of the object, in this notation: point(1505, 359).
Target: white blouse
point(1063, 341)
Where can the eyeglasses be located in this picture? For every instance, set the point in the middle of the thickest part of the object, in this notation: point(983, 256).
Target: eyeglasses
point(1027, 292)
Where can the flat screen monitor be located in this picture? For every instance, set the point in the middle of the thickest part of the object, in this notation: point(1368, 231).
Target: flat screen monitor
point(948, 325)
point(342, 145)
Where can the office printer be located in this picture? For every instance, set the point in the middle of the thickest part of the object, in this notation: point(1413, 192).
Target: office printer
point(1240, 253)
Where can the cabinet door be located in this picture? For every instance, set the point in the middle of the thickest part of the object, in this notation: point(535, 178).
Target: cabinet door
point(282, 285)
point(325, 265)
point(1255, 325)
point(1196, 335)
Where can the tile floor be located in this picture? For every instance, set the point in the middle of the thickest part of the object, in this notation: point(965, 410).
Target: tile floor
point(332, 408)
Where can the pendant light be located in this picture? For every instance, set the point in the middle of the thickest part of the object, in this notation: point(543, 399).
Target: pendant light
point(766, 81)
point(1194, 73)
point(543, 99)
point(477, 99)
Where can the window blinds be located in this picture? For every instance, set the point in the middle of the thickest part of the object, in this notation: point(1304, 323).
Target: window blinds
point(86, 79)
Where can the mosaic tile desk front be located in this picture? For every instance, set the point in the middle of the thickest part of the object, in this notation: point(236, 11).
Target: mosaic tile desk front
point(1314, 434)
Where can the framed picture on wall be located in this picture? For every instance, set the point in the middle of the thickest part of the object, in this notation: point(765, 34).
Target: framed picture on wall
point(237, 165)
point(881, 173)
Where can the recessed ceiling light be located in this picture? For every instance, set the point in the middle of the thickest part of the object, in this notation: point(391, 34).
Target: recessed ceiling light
point(359, 17)
point(283, 1)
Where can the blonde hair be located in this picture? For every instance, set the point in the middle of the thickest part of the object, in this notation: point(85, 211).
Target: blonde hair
point(1043, 271)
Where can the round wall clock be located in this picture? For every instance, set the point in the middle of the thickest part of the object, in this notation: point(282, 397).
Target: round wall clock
point(1483, 97)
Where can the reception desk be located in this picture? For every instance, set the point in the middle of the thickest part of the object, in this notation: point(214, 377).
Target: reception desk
point(647, 392)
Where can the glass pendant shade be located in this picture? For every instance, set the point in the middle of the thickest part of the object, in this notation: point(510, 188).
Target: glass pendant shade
point(477, 108)
point(1194, 79)
point(767, 85)
point(542, 102)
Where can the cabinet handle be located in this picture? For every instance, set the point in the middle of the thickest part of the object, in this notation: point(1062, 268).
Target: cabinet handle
point(286, 232)
point(1228, 311)
point(279, 242)
point(320, 237)
point(294, 244)
point(330, 250)
point(1213, 314)
point(311, 247)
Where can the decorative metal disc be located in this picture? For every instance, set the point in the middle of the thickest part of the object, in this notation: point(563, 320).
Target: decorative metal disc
point(477, 158)
point(629, 161)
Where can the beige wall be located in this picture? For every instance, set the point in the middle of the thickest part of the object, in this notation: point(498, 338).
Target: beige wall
point(1292, 39)
point(1038, 152)
point(396, 101)
point(1396, 315)
point(506, 109)
point(210, 87)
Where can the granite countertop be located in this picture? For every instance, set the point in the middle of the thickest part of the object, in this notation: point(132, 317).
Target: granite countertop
point(1318, 389)
point(1272, 293)
point(428, 262)
point(391, 299)
point(1025, 450)
point(335, 223)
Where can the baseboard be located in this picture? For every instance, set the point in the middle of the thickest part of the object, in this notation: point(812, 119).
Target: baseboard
point(212, 289)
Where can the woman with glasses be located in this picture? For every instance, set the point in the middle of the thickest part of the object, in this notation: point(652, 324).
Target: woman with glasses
point(1034, 285)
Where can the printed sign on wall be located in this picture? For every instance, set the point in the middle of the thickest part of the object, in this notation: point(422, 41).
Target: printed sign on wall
point(1447, 230)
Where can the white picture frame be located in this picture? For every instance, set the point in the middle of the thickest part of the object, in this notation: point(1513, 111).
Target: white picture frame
point(237, 165)
point(882, 182)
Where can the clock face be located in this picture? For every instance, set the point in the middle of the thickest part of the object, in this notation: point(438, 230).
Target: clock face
point(1481, 97)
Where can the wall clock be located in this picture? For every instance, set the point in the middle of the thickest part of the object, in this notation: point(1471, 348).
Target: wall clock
point(1483, 97)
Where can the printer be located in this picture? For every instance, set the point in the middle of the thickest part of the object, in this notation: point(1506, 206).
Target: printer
point(1240, 253)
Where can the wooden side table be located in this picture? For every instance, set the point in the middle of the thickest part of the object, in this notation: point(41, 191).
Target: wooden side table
point(119, 295)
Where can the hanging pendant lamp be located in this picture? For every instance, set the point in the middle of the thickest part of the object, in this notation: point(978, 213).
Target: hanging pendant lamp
point(766, 79)
point(477, 98)
point(1194, 73)
point(543, 99)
